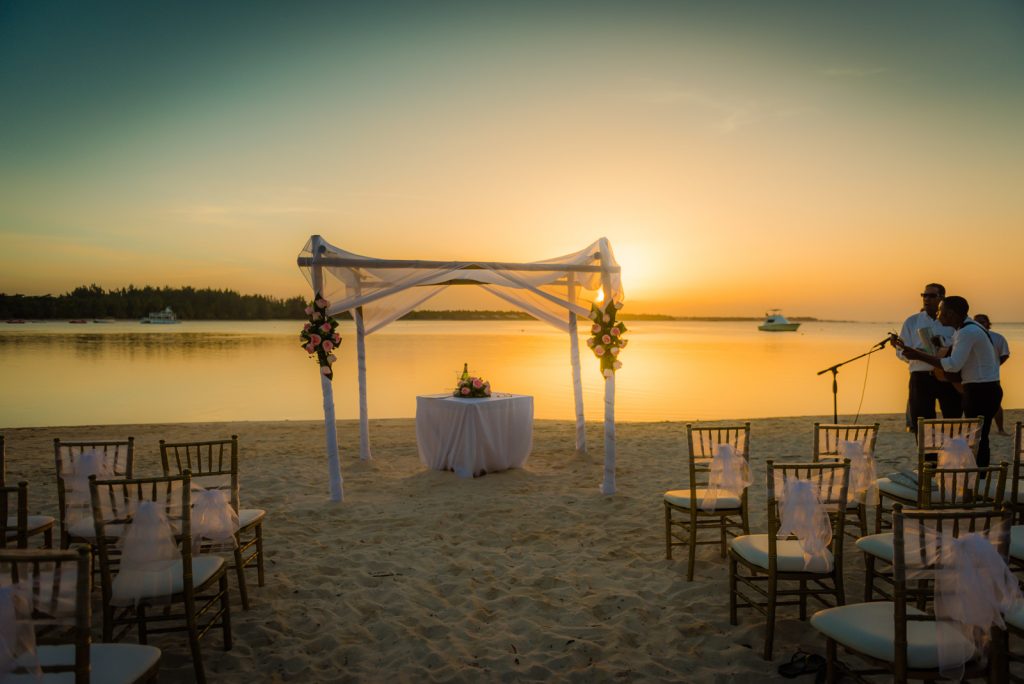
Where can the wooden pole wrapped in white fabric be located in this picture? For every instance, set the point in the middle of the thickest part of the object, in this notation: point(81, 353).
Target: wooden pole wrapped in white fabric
point(333, 462)
point(608, 484)
point(330, 426)
point(577, 382)
point(364, 415)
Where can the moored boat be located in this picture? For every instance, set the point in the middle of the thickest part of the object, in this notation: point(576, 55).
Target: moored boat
point(166, 316)
point(776, 322)
point(80, 321)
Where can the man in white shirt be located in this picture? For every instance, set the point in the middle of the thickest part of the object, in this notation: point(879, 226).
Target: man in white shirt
point(973, 356)
point(1003, 352)
point(924, 332)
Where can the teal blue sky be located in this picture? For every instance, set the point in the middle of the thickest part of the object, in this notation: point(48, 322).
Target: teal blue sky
point(740, 155)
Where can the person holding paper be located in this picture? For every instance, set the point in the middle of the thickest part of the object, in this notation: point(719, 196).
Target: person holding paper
point(924, 332)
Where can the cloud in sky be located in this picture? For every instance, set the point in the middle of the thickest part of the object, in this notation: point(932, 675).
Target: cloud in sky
point(728, 115)
point(853, 72)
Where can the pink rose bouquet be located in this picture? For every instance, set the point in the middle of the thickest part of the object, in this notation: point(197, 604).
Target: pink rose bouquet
point(472, 387)
point(607, 340)
point(319, 336)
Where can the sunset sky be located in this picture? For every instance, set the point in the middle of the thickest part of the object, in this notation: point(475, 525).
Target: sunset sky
point(829, 158)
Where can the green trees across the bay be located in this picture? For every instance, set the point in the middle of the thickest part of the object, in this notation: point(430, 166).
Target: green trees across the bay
point(129, 303)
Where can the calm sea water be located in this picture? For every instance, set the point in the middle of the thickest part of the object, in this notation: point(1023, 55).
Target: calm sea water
point(62, 374)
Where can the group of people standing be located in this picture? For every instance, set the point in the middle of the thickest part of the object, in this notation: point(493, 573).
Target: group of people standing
point(954, 361)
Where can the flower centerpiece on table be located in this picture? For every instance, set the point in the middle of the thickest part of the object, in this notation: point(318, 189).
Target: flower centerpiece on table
point(470, 387)
point(606, 336)
point(320, 335)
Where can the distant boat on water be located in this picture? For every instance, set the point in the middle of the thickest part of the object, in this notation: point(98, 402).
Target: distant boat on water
point(104, 320)
point(15, 320)
point(79, 321)
point(164, 317)
point(774, 321)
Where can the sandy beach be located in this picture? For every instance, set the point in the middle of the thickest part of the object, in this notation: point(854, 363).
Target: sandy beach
point(526, 575)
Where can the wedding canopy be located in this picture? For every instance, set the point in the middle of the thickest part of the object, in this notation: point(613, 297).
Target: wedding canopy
point(379, 291)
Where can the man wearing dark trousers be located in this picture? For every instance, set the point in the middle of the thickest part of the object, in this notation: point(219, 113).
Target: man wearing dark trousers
point(974, 357)
point(924, 332)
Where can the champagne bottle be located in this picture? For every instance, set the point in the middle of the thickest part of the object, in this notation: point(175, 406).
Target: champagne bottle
point(465, 372)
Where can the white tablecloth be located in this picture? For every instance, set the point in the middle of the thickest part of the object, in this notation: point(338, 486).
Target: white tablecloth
point(474, 436)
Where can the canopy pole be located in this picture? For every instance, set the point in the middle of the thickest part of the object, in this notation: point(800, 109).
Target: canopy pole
point(364, 420)
point(577, 382)
point(330, 425)
point(608, 484)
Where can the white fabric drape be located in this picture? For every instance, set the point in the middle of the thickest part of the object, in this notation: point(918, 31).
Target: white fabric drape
point(804, 517)
point(214, 520)
point(863, 476)
point(729, 476)
point(386, 294)
point(149, 557)
point(974, 588)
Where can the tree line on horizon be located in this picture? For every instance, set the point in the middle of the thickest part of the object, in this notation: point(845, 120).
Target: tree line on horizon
point(188, 303)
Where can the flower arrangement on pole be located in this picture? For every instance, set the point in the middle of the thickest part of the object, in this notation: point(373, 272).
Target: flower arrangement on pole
point(320, 335)
point(606, 336)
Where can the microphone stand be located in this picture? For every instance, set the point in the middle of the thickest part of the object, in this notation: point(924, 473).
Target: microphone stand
point(835, 371)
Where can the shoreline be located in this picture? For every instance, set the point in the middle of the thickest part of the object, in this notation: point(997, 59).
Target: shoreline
point(820, 418)
point(527, 574)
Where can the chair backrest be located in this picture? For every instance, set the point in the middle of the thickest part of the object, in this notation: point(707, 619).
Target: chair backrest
point(51, 591)
point(961, 487)
point(14, 516)
point(933, 433)
point(831, 481)
point(120, 454)
point(113, 505)
point(213, 463)
point(934, 527)
point(828, 436)
point(702, 441)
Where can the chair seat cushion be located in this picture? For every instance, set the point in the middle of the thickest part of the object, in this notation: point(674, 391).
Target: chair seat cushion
point(1015, 618)
point(85, 529)
point(250, 516)
point(895, 489)
point(157, 584)
point(36, 524)
point(878, 545)
point(754, 549)
point(681, 498)
point(110, 663)
point(1017, 542)
point(870, 629)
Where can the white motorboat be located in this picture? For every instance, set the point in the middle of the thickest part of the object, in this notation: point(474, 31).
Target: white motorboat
point(166, 316)
point(776, 322)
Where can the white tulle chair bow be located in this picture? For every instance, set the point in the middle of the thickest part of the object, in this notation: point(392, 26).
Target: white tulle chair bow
point(78, 500)
point(729, 476)
point(863, 478)
point(803, 516)
point(149, 557)
point(974, 587)
point(214, 519)
point(17, 635)
point(956, 453)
